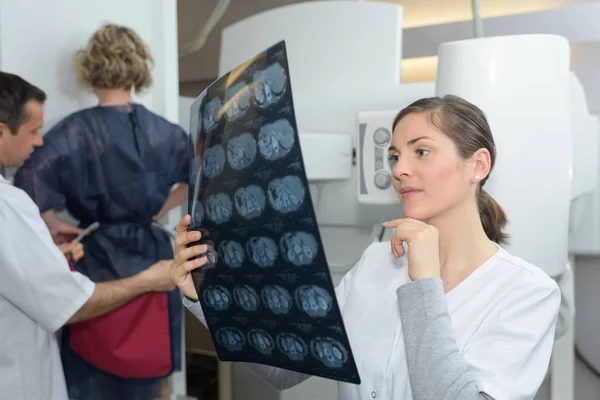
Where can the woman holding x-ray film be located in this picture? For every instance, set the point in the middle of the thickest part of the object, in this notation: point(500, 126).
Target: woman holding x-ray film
point(452, 315)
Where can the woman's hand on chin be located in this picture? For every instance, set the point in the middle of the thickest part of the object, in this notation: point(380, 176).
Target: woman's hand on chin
point(423, 246)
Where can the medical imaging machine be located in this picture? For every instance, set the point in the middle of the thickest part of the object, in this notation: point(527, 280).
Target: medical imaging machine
point(346, 83)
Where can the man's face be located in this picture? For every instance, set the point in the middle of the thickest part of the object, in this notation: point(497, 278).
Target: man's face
point(16, 148)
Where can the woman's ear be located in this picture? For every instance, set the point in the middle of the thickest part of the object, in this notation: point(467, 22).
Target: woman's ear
point(482, 162)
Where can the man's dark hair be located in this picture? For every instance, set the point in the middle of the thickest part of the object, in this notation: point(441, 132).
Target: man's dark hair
point(15, 92)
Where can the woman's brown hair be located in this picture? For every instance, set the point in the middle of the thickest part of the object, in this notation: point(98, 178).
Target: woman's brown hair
point(466, 125)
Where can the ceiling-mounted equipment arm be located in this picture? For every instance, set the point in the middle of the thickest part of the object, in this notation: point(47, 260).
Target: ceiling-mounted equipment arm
point(477, 25)
point(198, 42)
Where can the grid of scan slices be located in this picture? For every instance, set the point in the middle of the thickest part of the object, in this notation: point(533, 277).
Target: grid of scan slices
point(266, 292)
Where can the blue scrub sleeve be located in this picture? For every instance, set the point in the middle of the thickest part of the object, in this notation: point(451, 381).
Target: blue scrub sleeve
point(39, 177)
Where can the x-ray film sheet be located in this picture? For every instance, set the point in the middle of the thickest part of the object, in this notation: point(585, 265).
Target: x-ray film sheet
point(266, 292)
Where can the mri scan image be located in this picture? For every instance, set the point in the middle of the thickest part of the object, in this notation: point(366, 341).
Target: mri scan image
point(313, 300)
point(262, 251)
point(250, 201)
point(266, 290)
point(277, 299)
point(197, 214)
point(292, 346)
point(193, 171)
point(261, 341)
point(269, 85)
point(214, 161)
point(276, 140)
point(196, 125)
point(329, 351)
point(299, 248)
point(212, 114)
point(211, 257)
point(237, 100)
point(246, 297)
point(241, 151)
point(231, 338)
point(232, 253)
point(218, 208)
point(217, 297)
point(286, 194)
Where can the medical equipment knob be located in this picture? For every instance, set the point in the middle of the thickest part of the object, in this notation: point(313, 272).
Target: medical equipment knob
point(382, 180)
point(382, 136)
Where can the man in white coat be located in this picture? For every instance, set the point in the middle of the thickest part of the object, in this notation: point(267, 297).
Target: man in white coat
point(38, 292)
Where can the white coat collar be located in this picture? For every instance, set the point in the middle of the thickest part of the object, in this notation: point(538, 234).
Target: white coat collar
point(4, 180)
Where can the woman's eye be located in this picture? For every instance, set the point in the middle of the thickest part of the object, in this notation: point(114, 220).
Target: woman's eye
point(422, 152)
point(392, 159)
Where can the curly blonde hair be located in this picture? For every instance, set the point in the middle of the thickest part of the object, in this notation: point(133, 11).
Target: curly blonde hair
point(115, 57)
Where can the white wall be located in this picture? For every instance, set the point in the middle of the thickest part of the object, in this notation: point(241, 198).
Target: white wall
point(38, 40)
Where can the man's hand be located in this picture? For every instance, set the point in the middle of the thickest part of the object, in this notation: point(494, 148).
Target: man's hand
point(64, 233)
point(158, 276)
point(74, 250)
point(112, 294)
point(181, 268)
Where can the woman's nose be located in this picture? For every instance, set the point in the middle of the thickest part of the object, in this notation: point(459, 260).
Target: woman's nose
point(401, 168)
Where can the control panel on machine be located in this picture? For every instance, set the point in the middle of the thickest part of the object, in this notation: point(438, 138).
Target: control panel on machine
point(374, 173)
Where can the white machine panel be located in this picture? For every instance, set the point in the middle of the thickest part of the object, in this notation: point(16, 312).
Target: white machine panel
point(374, 174)
point(374, 181)
point(326, 156)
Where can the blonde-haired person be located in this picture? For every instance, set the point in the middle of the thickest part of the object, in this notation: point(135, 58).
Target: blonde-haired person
point(115, 58)
point(452, 316)
point(115, 164)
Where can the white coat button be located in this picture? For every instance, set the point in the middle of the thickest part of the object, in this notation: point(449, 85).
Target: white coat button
point(373, 394)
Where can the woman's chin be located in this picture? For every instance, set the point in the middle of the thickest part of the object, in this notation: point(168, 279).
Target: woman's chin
point(417, 214)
